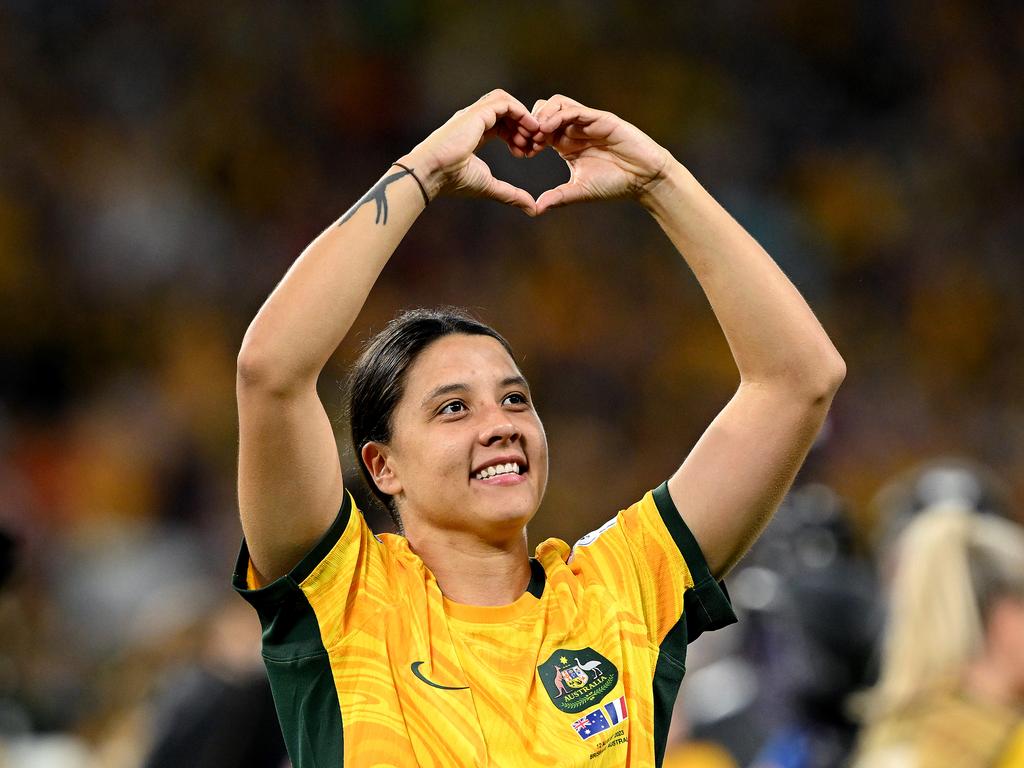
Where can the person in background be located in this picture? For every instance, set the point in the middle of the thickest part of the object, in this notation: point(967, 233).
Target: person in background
point(951, 690)
point(217, 711)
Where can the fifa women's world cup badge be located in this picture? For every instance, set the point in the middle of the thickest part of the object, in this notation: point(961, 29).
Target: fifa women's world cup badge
point(576, 679)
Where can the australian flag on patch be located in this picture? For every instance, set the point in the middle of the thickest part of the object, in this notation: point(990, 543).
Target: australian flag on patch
point(602, 718)
point(592, 723)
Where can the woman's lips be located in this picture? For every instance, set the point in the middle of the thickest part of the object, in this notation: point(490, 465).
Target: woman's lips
point(506, 479)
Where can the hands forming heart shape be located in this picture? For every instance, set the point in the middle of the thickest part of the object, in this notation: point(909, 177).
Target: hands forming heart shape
point(608, 158)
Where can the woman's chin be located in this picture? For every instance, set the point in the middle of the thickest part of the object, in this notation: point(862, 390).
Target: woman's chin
point(510, 516)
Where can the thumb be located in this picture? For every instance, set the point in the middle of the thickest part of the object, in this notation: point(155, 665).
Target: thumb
point(504, 192)
point(563, 194)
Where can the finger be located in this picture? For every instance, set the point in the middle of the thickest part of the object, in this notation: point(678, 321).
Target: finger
point(556, 103)
point(546, 109)
point(531, 150)
point(563, 194)
point(519, 137)
point(508, 131)
point(577, 132)
point(499, 104)
point(578, 115)
point(563, 99)
point(504, 192)
point(527, 150)
point(520, 145)
point(517, 152)
point(513, 136)
point(538, 135)
point(526, 131)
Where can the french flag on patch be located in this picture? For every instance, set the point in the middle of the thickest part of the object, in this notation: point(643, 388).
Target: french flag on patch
point(616, 710)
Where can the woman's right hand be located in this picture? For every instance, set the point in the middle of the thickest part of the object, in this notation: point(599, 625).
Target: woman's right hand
point(445, 161)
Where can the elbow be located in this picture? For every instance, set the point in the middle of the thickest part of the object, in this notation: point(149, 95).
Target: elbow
point(808, 380)
point(812, 380)
point(826, 377)
point(252, 369)
point(258, 371)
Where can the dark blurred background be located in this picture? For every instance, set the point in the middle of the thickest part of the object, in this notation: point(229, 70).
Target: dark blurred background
point(162, 164)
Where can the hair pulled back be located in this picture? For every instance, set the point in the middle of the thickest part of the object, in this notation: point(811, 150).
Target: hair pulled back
point(953, 565)
point(377, 380)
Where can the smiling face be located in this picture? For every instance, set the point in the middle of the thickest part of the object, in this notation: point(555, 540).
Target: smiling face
point(465, 415)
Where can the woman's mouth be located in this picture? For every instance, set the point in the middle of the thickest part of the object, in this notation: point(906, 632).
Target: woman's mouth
point(501, 473)
point(496, 470)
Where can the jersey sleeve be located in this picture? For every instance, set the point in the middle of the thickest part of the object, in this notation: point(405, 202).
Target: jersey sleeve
point(336, 577)
point(649, 558)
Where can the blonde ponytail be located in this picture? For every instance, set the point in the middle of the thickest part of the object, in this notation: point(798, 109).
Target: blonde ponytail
point(951, 562)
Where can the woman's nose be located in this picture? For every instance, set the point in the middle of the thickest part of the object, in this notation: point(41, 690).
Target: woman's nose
point(499, 432)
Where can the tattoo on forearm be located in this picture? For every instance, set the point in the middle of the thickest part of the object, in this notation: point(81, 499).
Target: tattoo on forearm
point(378, 194)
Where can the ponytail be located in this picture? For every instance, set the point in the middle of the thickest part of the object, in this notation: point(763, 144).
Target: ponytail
point(951, 566)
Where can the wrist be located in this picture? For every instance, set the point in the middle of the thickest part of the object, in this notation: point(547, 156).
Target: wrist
point(666, 189)
point(425, 169)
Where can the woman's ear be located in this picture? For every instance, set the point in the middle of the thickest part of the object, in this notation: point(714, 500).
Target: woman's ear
point(378, 461)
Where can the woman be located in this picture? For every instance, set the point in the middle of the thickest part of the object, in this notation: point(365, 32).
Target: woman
point(951, 691)
point(450, 645)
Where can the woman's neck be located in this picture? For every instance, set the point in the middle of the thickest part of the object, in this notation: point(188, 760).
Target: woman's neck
point(471, 571)
point(986, 680)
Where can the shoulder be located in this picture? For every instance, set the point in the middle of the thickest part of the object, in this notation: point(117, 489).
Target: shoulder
point(947, 729)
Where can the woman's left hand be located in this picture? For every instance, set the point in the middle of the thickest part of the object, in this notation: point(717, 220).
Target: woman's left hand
point(608, 158)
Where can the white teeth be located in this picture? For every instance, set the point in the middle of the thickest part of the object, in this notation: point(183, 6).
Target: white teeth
point(498, 469)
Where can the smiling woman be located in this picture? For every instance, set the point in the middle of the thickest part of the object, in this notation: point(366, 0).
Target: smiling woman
point(448, 644)
point(451, 366)
point(455, 425)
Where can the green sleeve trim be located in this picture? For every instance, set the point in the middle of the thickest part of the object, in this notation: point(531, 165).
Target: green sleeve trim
point(706, 606)
point(298, 665)
point(668, 676)
point(301, 679)
point(269, 595)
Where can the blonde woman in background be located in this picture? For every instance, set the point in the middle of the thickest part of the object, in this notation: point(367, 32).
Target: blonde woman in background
point(951, 691)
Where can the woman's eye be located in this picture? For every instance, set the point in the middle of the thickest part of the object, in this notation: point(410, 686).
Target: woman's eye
point(516, 398)
point(455, 406)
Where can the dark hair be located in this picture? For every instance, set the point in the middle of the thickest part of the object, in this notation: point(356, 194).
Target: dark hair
point(377, 380)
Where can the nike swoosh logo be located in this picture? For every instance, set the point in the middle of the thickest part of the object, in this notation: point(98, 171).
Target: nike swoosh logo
point(416, 671)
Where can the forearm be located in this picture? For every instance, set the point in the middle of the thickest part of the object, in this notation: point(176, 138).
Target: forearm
point(314, 306)
point(773, 334)
point(311, 310)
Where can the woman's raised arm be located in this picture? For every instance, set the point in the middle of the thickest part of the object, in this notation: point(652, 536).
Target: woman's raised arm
point(733, 479)
point(289, 475)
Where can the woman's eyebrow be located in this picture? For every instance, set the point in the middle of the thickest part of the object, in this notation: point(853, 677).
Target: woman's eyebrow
point(514, 381)
point(444, 389)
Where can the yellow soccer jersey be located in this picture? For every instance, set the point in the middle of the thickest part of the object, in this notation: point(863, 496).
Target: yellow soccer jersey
point(947, 730)
point(371, 665)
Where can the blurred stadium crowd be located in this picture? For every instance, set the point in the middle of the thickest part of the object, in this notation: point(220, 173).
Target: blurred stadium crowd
point(162, 165)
